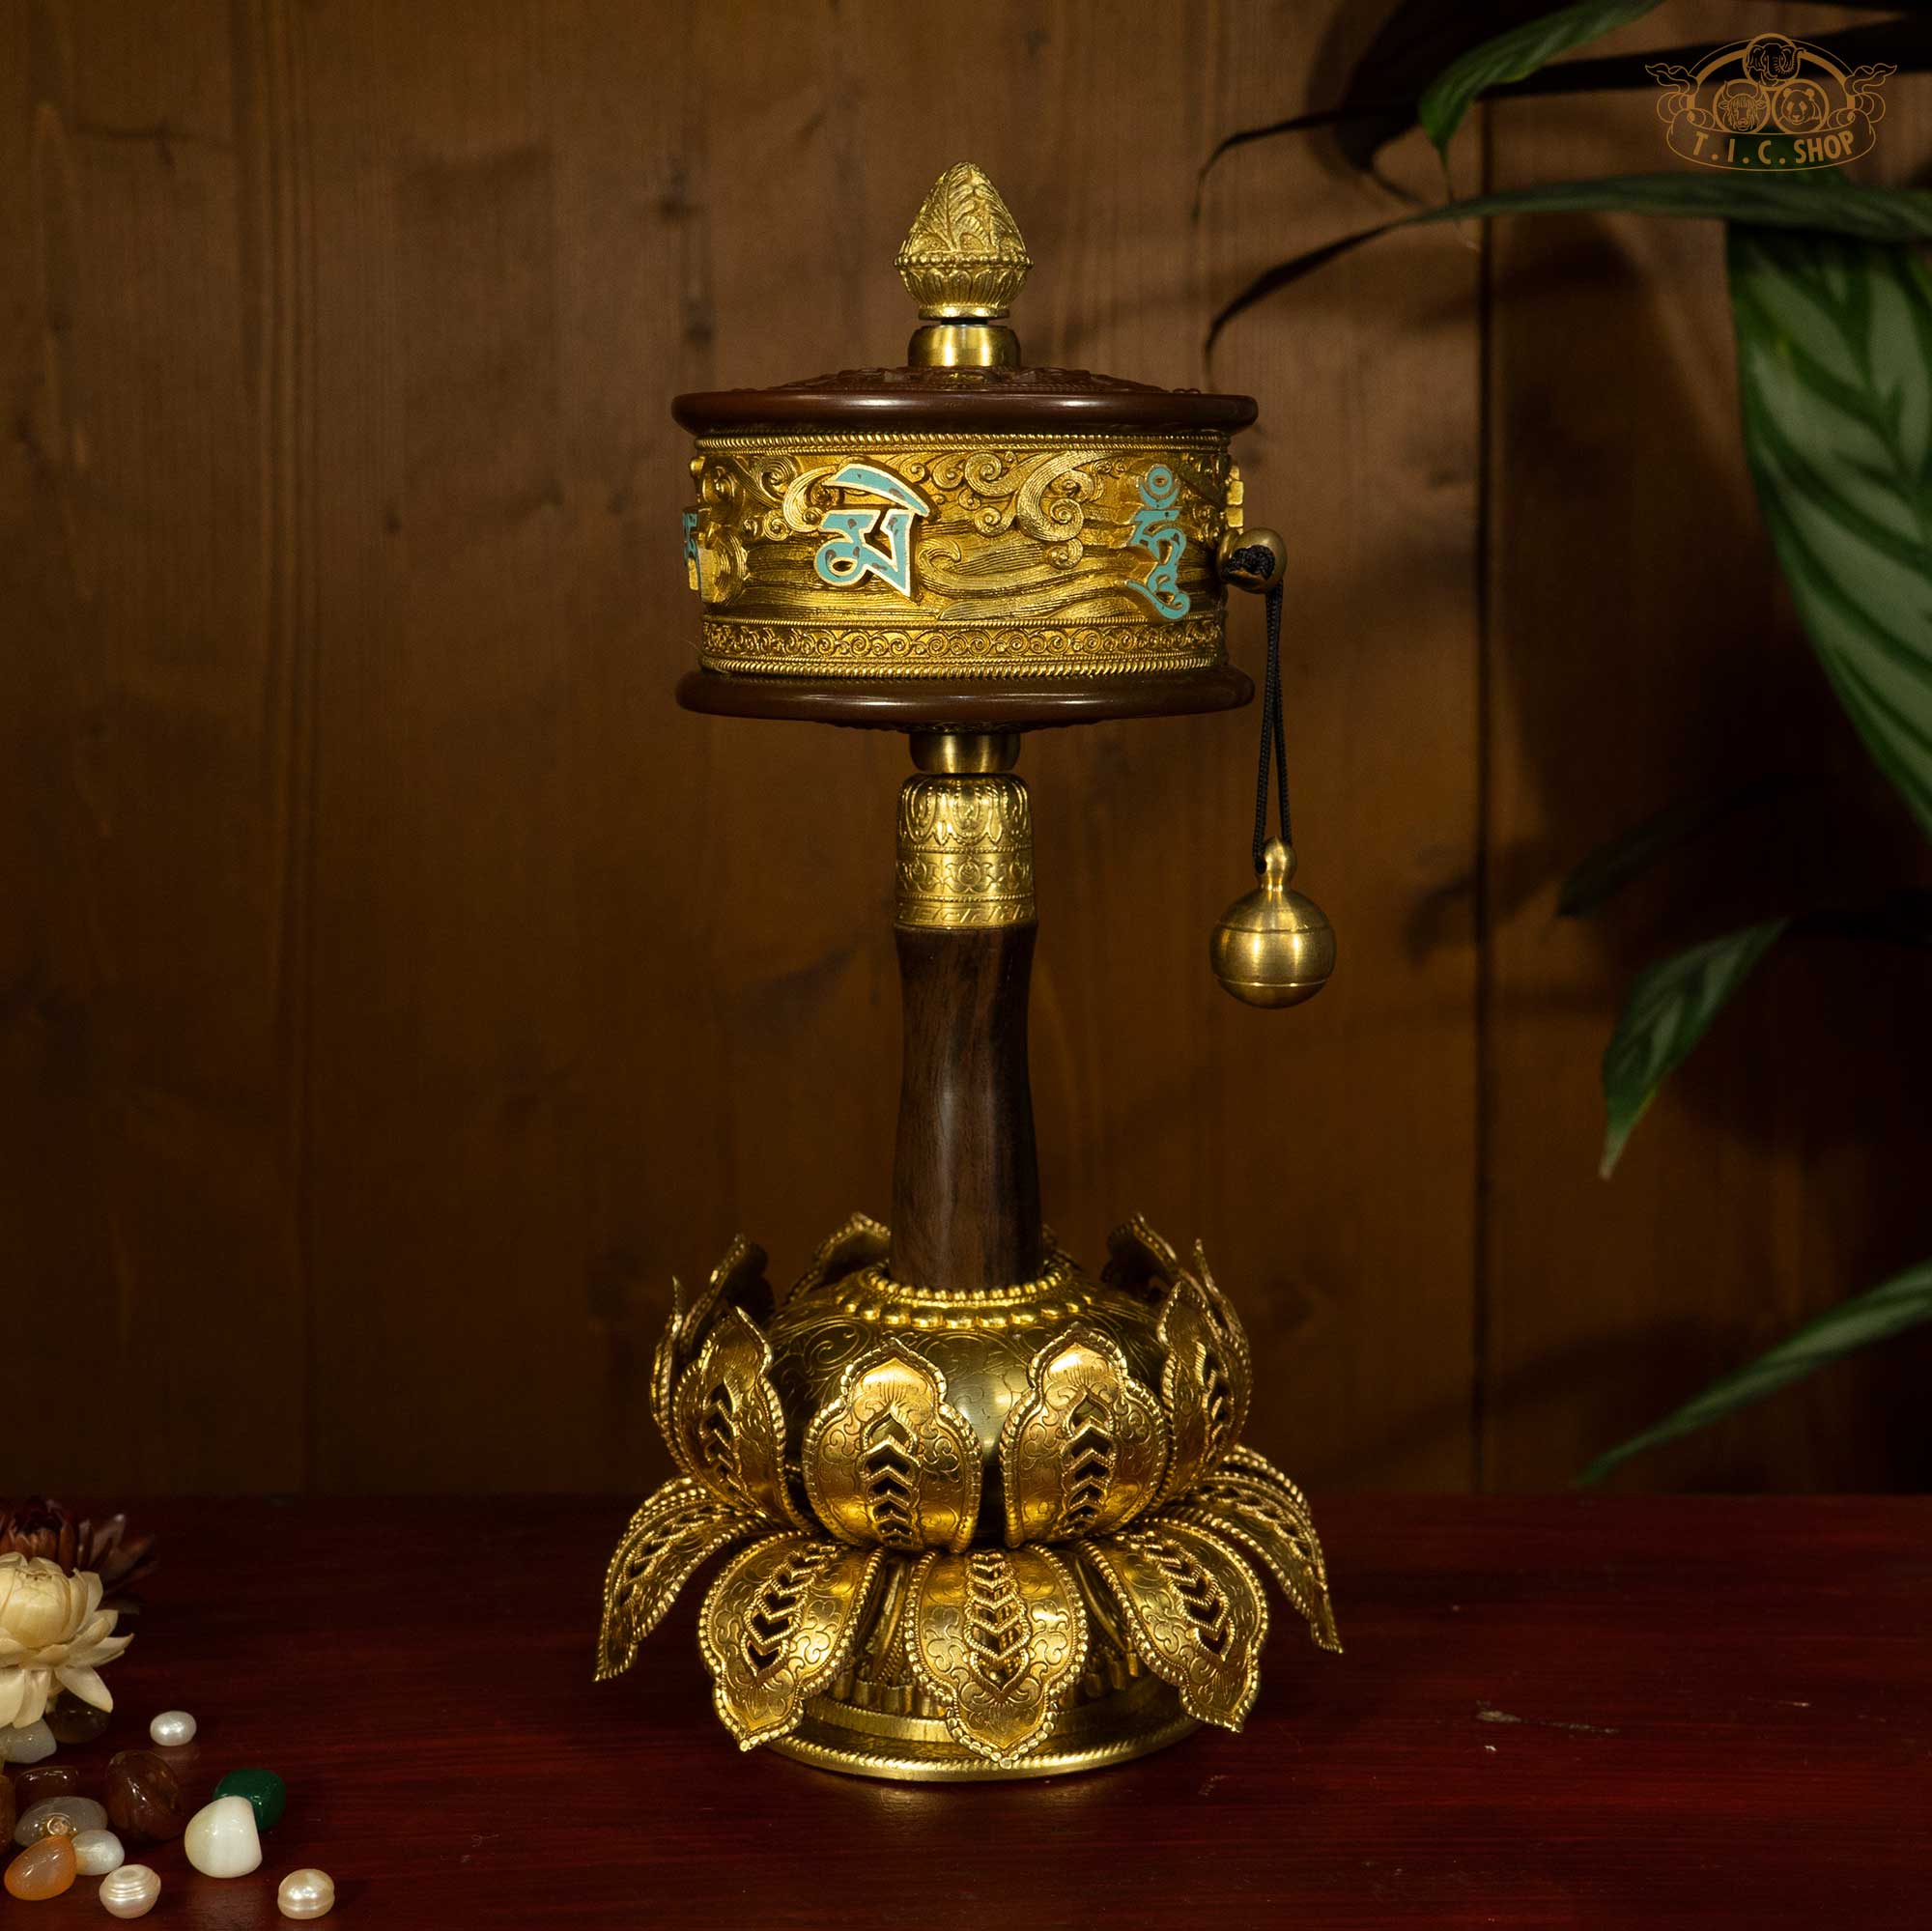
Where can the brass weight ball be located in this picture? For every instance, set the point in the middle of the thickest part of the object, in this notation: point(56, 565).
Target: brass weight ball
point(1273, 946)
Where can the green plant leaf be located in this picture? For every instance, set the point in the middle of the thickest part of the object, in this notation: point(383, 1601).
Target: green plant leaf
point(1834, 380)
point(1670, 1008)
point(1819, 203)
point(1904, 1301)
point(1515, 56)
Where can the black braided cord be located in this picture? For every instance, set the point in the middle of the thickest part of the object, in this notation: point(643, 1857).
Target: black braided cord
point(1274, 737)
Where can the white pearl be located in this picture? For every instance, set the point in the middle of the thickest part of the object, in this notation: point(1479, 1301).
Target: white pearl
point(130, 1892)
point(96, 1852)
point(221, 1839)
point(307, 1894)
point(173, 1727)
point(28, 1744)
point(82, 1812)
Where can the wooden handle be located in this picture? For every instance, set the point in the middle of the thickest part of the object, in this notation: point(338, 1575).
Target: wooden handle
point(966, 1181)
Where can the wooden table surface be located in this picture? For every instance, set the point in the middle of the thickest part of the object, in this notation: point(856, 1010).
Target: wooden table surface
point(1552, 1712)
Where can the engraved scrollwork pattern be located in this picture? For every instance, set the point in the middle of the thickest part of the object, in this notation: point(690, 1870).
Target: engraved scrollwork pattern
point(999, 1641)
point(1032, 548)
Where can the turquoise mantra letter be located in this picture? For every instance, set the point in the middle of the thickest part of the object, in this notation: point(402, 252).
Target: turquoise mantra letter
point(846, 556)
point(1157, 531)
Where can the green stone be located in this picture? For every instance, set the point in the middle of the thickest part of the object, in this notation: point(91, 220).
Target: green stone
point(264, 1790)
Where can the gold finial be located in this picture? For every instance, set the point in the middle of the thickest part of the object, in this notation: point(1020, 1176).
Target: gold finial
point(964, 264)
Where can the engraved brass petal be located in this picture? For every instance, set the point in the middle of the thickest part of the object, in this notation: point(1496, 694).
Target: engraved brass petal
point(739, 1280)
point(778, 1627)
point(998, 1641)
point(1257, 1505)
point(727, 1425)
point(680, 1527)
point(1193, 1611)
point(887, 1461)
point(860, 1243)
point(1085, 1451)
point(1204, 1385)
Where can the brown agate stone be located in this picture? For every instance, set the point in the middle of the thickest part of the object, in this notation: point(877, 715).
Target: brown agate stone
point(145, 1800)
point(34, 1782)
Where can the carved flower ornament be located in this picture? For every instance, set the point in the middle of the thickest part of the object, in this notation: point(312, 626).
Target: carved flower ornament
point(55, 1635)
point(1079, 1495)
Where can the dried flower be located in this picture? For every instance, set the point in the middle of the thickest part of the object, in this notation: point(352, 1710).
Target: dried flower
point(53, 1632)
point(43, 1527)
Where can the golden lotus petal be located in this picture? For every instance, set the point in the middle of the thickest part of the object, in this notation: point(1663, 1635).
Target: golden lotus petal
point(1193, 1611)
point(1138, 1258)
point(679, 1528)
point(1085, 1451)
point(887, 1461)
point(859, 1242)
point(1204, 1385)
point(1252, 1501)
point(998, 1641)
point(727, 1425)
point(739, 1280)
point(778, 1626)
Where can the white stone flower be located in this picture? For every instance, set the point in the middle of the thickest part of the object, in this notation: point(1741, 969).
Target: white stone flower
point(53, 1635)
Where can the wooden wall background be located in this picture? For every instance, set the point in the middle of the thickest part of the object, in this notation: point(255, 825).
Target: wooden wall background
point(395, 988)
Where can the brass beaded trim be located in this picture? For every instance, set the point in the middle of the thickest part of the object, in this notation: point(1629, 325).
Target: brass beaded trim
point(873, 1295)
point(920, 440)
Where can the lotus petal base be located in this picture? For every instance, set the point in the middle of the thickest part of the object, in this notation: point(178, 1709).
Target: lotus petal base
point(968, 1537)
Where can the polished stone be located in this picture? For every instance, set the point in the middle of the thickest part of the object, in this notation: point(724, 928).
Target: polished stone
point(28, 1742)
point(171, 1728)
point(221, 1839)
point(145, 1801)
point(45, 1779)
point(263, 1788)
point(307, 1894)
point(98, 1852)
point(75, 1722)
point(131, 1892)
point(44, 1869)
point(81, 1813)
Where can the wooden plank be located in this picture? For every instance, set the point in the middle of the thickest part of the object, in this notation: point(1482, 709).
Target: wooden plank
point(1783, 1166)
point(154, 770)
point(1667, 1711)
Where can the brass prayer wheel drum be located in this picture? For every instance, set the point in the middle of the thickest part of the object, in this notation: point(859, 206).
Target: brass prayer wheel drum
point(964, 521)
